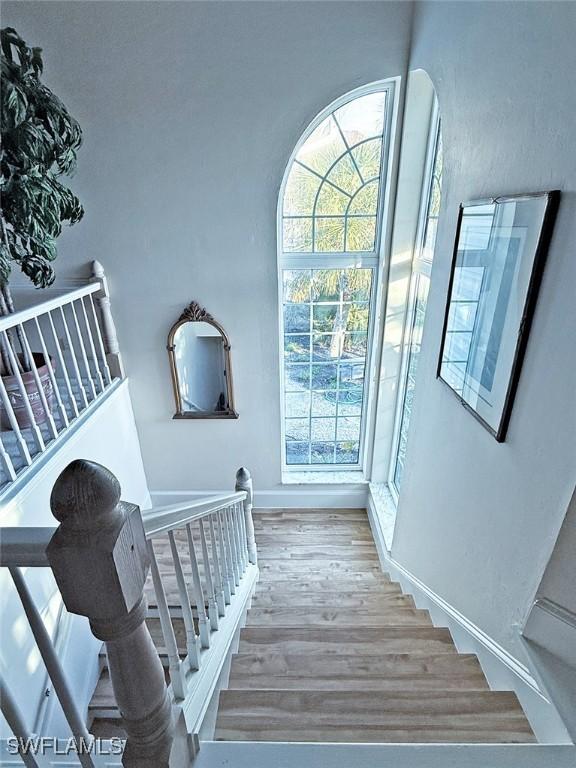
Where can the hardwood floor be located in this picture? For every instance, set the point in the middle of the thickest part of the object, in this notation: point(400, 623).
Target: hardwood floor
point(333, 651)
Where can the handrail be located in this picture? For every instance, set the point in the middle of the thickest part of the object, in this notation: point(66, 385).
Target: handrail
point(23, 315)
point(24, 547)
point(161, 519)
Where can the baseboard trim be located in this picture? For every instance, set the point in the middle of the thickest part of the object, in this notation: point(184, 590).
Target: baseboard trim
point(502, 669)
point(354, 496)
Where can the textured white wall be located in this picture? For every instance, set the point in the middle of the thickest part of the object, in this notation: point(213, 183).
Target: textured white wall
point(190, 111)
point(477, 520)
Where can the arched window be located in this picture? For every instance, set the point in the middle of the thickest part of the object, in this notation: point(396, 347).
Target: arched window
point(329, 235)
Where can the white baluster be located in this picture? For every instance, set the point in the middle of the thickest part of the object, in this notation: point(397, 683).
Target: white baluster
point(203, 625)
point(63, 368)
point(43, 399)
point(68, 338)
point(99, 342)
point(192, 639)
point(244, 483)
point(241, 537)
point(16, 723)
point(219, 580)
point(227, 579)
point(233, 544)
point(55, 671)
point(83, 354)
point(6, 462)
point(99, 379)
point(108, 327)
point(37, 435)
point(212, 607)
point(49, 365)
point(236, 531)
point(174, 663)
point(22, 444)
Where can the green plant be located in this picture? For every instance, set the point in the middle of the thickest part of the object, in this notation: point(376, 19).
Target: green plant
point(39, 143)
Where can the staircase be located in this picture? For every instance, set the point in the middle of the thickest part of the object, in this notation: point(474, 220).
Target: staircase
point(333, 651)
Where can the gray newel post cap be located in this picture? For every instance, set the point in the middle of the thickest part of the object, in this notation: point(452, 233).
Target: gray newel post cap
point(98, 552)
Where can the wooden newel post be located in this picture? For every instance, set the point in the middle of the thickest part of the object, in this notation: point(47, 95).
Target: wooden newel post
point(99, 559)
point(244, 483)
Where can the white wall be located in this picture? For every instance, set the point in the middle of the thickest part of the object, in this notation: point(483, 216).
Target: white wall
point(477, 520)
point(108, 437)
point(190, 111)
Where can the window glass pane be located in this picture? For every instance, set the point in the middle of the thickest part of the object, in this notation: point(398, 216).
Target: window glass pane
point(297, 235)
point(324, 376)
point(365, 201)
point(297, 404)
point(297, 378)
point(348, 428)
point(324, 403)
point(297, 285)
point(297, 429)
point(331, 331)
point(329, 234)
point(296, 318)
point(296, 348)
point(347, 452)
point(367, 157)
point(433, 202)
point(345, 176)
point(300, 192)
point(336, 173)
point(331, 201)
point(360, 234)
point(323, 147)
point(323, 429)
point(322, 453)
point(413, 353)
point(297, 453)
point(362, 118)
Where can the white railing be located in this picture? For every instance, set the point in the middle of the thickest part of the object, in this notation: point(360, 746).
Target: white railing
point(69, 345)
point(202, 560)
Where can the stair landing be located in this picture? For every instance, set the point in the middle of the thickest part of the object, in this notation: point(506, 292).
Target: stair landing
point(333, 651)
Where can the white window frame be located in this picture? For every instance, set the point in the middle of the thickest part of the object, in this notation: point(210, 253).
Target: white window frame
point(420, 267)
point(342, 260)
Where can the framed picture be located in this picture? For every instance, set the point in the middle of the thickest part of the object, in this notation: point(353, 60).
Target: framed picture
point(499, 257)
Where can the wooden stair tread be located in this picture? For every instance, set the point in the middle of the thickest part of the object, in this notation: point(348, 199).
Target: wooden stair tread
point(297, 615)
point(326, 599)
point(302, 715)
point(323, 586)
point(325, 641)
point(383, 672)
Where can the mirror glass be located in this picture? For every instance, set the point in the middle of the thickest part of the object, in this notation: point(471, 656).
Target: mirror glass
point(200, 363)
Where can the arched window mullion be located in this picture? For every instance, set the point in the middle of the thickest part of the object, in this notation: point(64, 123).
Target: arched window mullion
point(323, 178)
point(346, 215)
point(368, 181)
point(347, 147)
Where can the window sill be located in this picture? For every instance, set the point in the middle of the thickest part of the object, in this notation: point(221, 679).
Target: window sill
point(353, 477)
point(385, 507)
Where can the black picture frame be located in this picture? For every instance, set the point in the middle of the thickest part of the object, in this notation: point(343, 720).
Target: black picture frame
point(552, 199)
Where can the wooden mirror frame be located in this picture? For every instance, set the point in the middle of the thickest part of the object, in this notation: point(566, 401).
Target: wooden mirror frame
point(194, 313)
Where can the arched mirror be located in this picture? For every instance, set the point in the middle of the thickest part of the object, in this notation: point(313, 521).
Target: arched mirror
point(199, 353)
